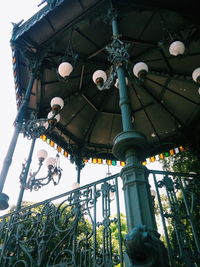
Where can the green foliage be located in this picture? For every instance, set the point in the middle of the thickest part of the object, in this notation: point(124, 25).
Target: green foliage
point(115, 235)
point(45, 231)
point(180, 224)
point(183, 162)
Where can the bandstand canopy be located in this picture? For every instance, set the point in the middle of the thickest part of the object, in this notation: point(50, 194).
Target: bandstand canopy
point(165, 108)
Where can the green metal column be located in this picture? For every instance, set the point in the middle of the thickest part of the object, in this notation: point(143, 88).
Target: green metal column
point(25, 175)
point(8, 159)
point(127, 144)
point(143, 246)
point(138, 201)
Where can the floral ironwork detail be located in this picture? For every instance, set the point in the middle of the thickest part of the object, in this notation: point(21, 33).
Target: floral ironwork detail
point(62, 230)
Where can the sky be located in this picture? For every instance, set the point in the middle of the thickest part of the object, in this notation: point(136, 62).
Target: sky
point(14, 11)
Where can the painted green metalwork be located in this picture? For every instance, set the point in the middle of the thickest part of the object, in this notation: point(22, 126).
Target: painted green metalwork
point(67, 232)
point(19, 29)
point(24, 175)
point(70, 229)
point(11, 149)
point(76, 228)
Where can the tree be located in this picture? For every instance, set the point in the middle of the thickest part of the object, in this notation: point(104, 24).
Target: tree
point(45, 235)
point(183, 162)
point(48, 234)
point(185, 233)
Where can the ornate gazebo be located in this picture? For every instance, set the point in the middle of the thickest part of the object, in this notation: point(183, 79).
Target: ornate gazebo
point(124, 78)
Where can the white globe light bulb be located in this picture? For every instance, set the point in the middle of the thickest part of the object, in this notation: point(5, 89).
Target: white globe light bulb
point(196, 75)
point(75, 185)
point(42, 154)
point(140, 69)
point(57, 103)
point(46, 125)
point(51, 162)
point(99, 76)
point(51, 114)
point(177, 48)
point(65, 69)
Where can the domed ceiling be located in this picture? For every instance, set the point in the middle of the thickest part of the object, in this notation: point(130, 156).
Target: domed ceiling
point(165, 106)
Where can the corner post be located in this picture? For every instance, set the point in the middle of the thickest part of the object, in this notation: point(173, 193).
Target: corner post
point(24, 175)
point(18, 125)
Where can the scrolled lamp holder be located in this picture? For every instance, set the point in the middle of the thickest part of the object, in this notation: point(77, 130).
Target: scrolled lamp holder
point(54, 170)
point(34, 127)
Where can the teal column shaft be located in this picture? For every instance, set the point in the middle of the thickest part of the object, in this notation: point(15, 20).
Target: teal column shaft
point(24, 178)
point(138, 202)
point(137, 195)
point(115, 30)
point(8, 159)
point(18, 120)
point(78, 175)
point(124, 101)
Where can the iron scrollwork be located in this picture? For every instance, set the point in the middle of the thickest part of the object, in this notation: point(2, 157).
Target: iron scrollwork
point(66, 230)
point(53, 174)
point(35, 127)
point(180, 193)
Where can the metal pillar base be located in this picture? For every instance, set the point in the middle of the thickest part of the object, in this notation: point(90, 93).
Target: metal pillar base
point(4, 201)
point(144, 248)
point(127, 140)
point(137, 197)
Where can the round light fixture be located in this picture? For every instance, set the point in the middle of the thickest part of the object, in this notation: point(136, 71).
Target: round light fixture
point(45, 125)
point(196, 75)
point(42, 154)
point(57, 103)
point(52, 118)
point(99, 77)
point(75, 185)
point(51, 162)
point(65, 69)
point(140, 69)
point(177, 48)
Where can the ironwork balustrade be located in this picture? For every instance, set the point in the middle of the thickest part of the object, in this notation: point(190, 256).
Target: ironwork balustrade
point(85, 226)
point(178, 203)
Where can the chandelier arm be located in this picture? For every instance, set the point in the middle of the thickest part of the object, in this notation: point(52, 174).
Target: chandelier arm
point(109, 82)
point(37, 183)
point(57, 172)
point(32, 175)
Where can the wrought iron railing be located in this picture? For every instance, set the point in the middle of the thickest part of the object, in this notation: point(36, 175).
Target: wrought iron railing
point(84, 227)
point(177, 205)
point(73, 229)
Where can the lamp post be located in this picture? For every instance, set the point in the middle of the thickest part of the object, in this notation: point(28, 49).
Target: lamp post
point(138, 203)
point(31, 129)
point(128, 146)
point(53, 173)
point(24, 175)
